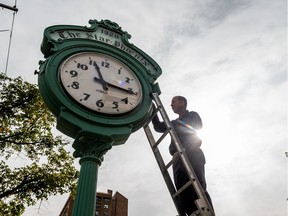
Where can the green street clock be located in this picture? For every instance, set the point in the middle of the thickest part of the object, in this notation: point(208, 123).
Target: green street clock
point(95, 81)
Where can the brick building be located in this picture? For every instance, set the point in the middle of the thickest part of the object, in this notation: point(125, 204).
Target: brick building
point(106, 205)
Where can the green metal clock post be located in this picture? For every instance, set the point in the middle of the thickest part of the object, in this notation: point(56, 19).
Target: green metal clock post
point(91, 151)
point(98, 114)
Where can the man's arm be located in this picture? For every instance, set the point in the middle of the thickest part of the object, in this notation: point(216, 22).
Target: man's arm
point(158, 125)
point(196, 121)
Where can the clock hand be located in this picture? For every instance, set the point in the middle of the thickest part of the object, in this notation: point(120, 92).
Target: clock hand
point(101, 80)
point(115, 86)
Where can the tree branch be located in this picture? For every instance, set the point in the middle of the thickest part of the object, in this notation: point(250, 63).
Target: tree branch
point(16, 190)
point(8, 137)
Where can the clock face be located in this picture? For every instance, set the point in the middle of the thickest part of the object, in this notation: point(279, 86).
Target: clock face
point(100, 83)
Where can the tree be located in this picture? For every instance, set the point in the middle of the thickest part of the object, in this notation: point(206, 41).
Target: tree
point(25, 133)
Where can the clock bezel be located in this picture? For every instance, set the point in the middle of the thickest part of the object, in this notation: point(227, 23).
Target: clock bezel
point(59, 99)
point(109, 56)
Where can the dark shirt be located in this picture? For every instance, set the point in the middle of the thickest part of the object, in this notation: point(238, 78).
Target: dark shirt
point(185, 128)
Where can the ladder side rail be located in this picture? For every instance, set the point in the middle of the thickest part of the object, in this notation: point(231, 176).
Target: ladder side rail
point(164, 172)
point(184, 158)
point(156, 143)
point(154, 113)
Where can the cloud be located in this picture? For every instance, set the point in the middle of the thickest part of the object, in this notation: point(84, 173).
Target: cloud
point(229, 58)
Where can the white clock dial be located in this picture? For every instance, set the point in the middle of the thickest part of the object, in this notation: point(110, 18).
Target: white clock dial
point(100, 83)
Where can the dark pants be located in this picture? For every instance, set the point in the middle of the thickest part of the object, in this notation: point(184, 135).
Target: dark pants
point(188, 196)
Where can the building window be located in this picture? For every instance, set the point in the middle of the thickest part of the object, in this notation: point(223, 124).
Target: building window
point(106, 200)
point(97, 213)
point(106, 206)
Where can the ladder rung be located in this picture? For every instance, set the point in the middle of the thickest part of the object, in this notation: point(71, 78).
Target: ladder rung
point(171, 162)
point(154, 146)
point(190, 182)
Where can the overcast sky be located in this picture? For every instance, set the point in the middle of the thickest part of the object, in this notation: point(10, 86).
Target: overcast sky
point(228, 57)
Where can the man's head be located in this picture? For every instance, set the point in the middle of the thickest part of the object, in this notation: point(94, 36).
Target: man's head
point(179, 104)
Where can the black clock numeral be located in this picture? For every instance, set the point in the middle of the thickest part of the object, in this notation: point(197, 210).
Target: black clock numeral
point(127, 79)
point(73, 73)
point(119, 70)
point(86, 96)
point(75, 85)
point(82, 66)
point(115, 105)
point(125, 100)
point(130, 90)
point(105, 64)
point(100, 103)
point(93, 63)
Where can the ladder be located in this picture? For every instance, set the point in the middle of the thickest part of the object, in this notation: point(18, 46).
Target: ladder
point(202, 203)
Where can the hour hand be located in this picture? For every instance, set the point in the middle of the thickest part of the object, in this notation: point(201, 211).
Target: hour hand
point(100, 79)
point(130, 91)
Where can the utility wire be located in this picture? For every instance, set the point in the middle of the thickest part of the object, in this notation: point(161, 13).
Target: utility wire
point(15, 9)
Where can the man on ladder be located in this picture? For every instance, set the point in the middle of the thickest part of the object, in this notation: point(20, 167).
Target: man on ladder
point(185, 127)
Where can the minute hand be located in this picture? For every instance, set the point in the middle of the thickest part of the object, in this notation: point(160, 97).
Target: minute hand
point(130, 91)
